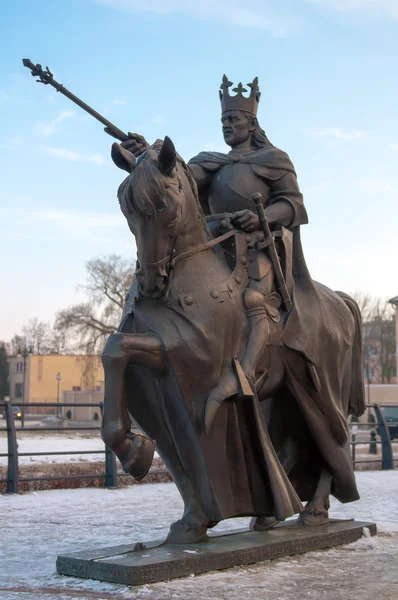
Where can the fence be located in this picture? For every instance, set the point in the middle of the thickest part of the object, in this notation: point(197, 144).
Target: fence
point(379, 426)
point(376, 425)
point(13, 478)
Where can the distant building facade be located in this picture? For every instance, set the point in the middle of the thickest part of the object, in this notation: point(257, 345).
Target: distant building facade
point(17, 367)
point(44, 377)
point(394, 302)
point(379, 351)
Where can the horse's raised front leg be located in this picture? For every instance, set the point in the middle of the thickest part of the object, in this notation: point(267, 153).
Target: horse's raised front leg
point(134, 451)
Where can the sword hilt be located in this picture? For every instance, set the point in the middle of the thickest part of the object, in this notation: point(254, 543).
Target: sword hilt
point(270, 246)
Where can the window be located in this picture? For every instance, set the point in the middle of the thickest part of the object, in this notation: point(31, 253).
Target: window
point(18, 390)
point(19, 367)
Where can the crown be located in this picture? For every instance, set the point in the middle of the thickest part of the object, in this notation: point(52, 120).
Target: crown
point(239, 101)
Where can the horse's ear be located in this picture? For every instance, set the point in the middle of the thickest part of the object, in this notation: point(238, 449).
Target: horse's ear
point(167, 156)
point(123, 158)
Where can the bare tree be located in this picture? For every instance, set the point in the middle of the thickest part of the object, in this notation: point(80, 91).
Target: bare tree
point(37, 336)
point(90, 323)
point(378, 335)
point(14, 346)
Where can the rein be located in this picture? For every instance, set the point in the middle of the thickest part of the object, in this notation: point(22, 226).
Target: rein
point(174, 261)
point(202, 247)
point(188, 253)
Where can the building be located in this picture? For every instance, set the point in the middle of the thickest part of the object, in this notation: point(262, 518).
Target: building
point(379, 351)
point(44, 377)
point(394, 302)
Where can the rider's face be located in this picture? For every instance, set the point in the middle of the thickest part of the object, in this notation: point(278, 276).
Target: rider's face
point(236, 127)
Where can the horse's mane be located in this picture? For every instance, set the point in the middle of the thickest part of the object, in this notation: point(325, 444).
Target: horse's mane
point(151, 183)
point(194, 189)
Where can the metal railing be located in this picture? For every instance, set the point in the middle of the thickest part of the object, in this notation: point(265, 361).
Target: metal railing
point(110, 474)
point(375, 426)
point(13, 478)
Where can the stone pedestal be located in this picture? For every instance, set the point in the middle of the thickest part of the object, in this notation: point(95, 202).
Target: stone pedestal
point(137, 564)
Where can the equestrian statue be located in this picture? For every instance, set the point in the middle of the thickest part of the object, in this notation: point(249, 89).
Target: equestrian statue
point(236, 364)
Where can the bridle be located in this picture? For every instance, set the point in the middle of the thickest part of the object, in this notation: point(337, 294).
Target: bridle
point(172, 259)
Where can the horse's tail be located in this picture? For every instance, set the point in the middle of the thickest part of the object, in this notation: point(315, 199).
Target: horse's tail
point(356, 403)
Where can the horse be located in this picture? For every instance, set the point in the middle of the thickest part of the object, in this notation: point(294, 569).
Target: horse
point(264, 452)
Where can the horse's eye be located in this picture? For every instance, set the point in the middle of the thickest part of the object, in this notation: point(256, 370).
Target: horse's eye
point(161, 205)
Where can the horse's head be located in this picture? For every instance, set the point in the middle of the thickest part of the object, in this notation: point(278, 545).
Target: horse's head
point(154, 199)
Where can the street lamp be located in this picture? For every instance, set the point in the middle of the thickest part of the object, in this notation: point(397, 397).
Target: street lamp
point(24, 353)
point(58, 378)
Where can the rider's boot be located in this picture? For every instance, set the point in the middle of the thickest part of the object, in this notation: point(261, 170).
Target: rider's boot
point(257, 339)
point(258, 333)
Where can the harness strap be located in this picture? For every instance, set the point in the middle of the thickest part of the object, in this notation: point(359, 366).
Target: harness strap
point(202, 247)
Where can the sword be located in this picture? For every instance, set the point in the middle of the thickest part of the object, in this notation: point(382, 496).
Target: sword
point(269, 244)
point(47, 78)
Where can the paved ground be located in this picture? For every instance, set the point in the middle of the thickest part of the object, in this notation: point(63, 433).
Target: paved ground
point(35, 527)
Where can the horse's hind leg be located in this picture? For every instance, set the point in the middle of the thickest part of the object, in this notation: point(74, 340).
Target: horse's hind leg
point(316, 511)
point(134, 451)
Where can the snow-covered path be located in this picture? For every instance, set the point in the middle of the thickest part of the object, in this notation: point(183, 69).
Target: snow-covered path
point(35, 527)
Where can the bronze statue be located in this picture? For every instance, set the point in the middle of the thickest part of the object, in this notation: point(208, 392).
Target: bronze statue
point(239, 365)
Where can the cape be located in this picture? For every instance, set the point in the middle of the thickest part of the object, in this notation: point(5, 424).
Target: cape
point(319, 326)
point(269, 157)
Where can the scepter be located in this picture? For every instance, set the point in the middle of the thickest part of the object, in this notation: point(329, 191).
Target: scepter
point(47, 78)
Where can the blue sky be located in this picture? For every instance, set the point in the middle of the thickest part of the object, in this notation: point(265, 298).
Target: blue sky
point(328, 74)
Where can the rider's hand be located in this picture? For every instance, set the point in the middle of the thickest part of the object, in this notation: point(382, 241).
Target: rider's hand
point(137, 144)
point(225, 224)
point(246, 220)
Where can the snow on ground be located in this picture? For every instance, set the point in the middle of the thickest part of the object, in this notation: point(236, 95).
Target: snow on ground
point(35, 527)
point(45, 442)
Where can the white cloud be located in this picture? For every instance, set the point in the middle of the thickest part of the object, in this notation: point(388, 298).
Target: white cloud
point(341, 134)
point(53, 223)
point(393, 147)
point(98, 229)
point(255, 15)
point(76, 218)
point(120, 102)
point(96, 159)
point(158, 120)
point(11, 143)
point(47, 128)
point(378, 183)
point(380, 7)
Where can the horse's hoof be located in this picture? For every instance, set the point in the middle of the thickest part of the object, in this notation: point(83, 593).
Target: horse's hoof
point(140, 460)
point(181, 533)
point(263, 523)
point(313, 516)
